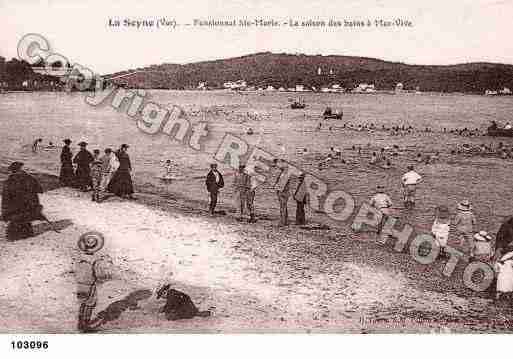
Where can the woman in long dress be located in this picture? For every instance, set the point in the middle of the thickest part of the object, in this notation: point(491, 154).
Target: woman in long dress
point(83, 160)
point(121, 182)
point(66, 176)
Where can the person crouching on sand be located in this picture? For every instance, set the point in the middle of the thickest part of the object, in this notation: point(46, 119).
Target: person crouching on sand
point(96, 175)
point(465, 222)
point(409, 181)
point(504, 270)
point(441, 228)
point(91, 269)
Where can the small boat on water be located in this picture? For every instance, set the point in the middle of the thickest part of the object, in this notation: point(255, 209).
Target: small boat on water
point(329, 114)
point(297, 104)
point(497, 131)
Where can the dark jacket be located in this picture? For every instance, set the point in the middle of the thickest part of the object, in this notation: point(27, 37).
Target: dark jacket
point(212, 185)
point(20, 199)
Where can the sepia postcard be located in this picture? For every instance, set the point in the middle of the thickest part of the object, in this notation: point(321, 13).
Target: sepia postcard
point(255, 167)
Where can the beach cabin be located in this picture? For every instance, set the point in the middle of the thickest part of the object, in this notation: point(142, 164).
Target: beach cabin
point(399, 87)
point(270, 88)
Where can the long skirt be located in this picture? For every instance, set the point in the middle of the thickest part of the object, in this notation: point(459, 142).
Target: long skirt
point(83, 177)
point(66, 175)
point(121, 183)
point(19, 230)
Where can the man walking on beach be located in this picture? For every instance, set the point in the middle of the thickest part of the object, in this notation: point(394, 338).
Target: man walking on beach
point(20, 202)
point(214, 183)
point(250, 200)
point(83, 160)
point(409, 181)
point(282, 193)
point(110, 164)
point(242, 185)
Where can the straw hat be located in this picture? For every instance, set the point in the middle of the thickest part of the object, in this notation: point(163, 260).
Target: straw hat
point(482, 236)
point(91, 242)
point(464, 205)
point(443, 212)
point(507, 256)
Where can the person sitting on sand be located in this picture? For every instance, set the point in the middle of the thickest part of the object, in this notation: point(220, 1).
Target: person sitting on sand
point(374, 158)
point(20, 202)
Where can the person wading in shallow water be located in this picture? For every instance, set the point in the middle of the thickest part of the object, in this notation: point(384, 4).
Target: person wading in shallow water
point(20, 202)
point(121, 182)
point(66, 176)
point(214, 183)
point(83, 160)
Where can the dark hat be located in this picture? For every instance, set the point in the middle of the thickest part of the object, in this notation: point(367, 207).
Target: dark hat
point(443, 212)
point(124, 145)
point(91, 242)
point(67, 141)
point(380, 187)
point(15, 166)
point(82, 143)
point(410, 167)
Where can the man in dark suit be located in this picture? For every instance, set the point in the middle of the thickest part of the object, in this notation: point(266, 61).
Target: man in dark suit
point(214, 182)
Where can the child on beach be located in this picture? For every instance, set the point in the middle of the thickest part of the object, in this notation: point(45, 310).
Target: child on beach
point(90, 270)
point(504, 270)
point(441, 227)
point(96, 175)
point(465, 222)
point(168, 170)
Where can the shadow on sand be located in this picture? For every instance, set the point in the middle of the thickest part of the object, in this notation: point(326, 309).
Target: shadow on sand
point(115, 309)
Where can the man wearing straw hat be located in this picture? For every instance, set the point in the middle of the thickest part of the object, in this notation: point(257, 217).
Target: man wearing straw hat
point(214, 183)
point(90, 271)
point(409, 181)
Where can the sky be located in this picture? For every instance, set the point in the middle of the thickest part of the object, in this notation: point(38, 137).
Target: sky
point(442, 32)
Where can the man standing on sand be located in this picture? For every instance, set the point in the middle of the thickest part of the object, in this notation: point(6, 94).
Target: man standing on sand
point(409, 181)
point(282, 193)
point(250, 200)
point(214, 183)
point(20, 202)
point(83, 160)
point(241, 183)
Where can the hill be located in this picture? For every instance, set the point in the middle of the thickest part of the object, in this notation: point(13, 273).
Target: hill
point(287, 70)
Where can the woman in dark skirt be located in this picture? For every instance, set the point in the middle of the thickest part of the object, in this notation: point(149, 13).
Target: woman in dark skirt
point(121, 182)
point(66, 176)
point(83, 160)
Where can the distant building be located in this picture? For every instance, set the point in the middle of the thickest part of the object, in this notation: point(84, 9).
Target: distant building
point(399, 87)
point(364, 88)
point(270, 88)
point(281, 89)
point(319, 71)
point(505, 91)
point(202, 86)
point(300, 88)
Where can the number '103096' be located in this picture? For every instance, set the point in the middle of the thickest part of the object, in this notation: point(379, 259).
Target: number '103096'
point(33, 344)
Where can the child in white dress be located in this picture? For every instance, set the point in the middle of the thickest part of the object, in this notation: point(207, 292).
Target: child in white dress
point(504, 269)
point(441, 227)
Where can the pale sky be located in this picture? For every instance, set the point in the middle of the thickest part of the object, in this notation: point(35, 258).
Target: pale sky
point(443, 32)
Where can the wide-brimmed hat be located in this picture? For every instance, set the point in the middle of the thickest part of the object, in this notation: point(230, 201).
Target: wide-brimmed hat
point(124, 145)
point(464, 205)
point(91, 242)
point(15, 166)
point(482, 236)
point(67, 141)
point(82, 143)
point(442, 212)
point(507, 256)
